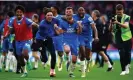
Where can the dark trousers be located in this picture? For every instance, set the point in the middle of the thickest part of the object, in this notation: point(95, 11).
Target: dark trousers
point(124, 48)
point(47, 45)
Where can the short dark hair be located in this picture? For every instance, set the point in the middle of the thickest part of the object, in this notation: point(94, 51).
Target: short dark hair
point(10, 14)
point(67, 8)
point(20, 7)
point(97, 13)
point(81, 8)
point(55, 7)
point(44, 9)
point(35, 16)
point(119, 7)
point(47, 10)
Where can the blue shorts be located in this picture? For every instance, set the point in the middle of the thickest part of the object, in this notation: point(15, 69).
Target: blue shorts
point(73, 46)
point(23, 46)
point(85, 41)
point(5, 45)
point(58, 43)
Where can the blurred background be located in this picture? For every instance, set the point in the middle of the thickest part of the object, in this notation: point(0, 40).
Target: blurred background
point(105, 7)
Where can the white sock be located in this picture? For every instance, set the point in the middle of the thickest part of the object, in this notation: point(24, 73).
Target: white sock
point(3, 58)
point(70, 57)
point(11, 64)
point(2, 61)
point(58, 60)
point(25, 70)
point(56, 53)
point(7, 61)
point(36, 64)
point(127, 67)
point(87, 63)
point(78, 60)
point(82, 63)
point(109, 64)
point(72, 67)
point(14, 63)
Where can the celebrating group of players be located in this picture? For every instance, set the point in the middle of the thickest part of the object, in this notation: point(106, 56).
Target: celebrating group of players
point(70, 34)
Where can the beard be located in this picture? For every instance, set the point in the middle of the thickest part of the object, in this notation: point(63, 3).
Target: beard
point(81, 15)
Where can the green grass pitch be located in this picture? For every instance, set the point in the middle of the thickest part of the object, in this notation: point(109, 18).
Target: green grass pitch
point(94, 74)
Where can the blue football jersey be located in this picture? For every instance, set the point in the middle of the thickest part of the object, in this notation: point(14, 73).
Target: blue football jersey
point(46, 29)
point(86, 23)
point(70, 29)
